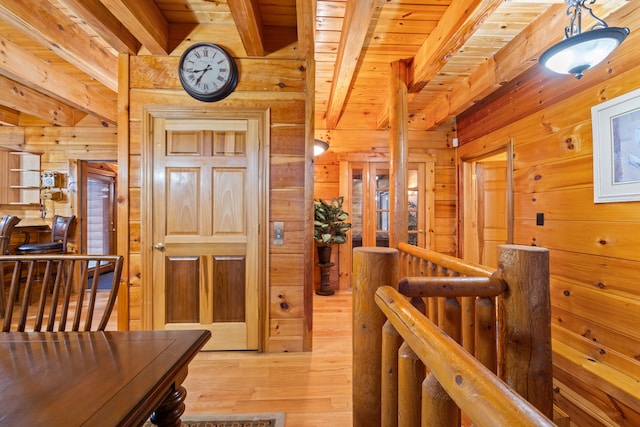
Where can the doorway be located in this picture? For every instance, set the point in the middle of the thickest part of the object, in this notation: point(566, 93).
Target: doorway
point(97, 218)
point(487, 205)
point(367, 197)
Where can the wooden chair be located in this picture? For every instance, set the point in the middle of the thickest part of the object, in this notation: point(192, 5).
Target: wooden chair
point(71, 304)
point(61, 227)
point(7, 224)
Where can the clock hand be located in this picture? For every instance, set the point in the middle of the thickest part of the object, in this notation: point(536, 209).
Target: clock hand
point(204, 69)
point(203, 73)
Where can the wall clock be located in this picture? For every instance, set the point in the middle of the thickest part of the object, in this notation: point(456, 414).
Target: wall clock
point(207, 72)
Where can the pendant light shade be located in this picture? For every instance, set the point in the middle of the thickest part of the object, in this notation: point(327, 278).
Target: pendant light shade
point(580, 51)
point(319, 147)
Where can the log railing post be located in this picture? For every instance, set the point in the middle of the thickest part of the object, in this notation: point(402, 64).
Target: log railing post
point(411, 374)
point(524, 318)
point(486, 351)
point(391, 342)
point(372, 267)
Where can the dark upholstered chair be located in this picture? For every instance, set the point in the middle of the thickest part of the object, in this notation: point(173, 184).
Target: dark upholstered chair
point(7, 224)
point(60, 229)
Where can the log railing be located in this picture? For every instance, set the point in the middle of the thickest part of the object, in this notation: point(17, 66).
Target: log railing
point(430, 348)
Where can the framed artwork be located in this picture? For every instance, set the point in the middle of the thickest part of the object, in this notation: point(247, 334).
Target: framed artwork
point(616, 149)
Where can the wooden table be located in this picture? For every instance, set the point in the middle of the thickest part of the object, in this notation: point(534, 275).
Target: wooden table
point(112, 378)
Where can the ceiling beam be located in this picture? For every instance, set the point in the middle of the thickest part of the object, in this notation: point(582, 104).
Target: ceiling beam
point(31, 71)
point(354, 30)
point(9, 116)
point(53, 29)
point(144, 20)
point(246, 15)
point(459, 22)
point(96, 15)
point(24, 99)
point(306, 12)
point(517, 56)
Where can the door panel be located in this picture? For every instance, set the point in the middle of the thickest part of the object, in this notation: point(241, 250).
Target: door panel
point(205, 229)
point(491, 180)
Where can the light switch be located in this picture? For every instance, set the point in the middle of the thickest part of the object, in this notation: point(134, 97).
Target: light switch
point(278, 233)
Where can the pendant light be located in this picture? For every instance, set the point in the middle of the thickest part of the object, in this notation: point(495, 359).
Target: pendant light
point(319, 147)
point(580, 51)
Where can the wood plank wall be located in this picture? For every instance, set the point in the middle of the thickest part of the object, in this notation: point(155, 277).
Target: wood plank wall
point(594, 248)
point(368, 145)
point(277, 83)
point(61, 148)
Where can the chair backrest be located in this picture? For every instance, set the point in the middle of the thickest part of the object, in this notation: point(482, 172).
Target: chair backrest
point(61, 227)
point(7, 224)
point(66, 299)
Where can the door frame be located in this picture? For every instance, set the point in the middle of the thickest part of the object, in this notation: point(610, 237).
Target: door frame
point(84, 169)
point(467, 215)
point(152, 113)
point(350, 161)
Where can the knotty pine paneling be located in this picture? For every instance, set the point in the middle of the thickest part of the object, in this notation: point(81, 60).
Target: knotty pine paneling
point(282, 344)
point(286, 205)
point(287, 171)
point(294, 238)
point(575, 204)
point(594, 248)
point(257, 74)
point(285, 328)
point(286, 269)
point(611, 238)
point(572, 173)
point(569, 393)
point(287, 302)
point(589, 346)
point(613, 311)
point(326, 172)
point(287, 140)
point(326, 190)
point(614, 275)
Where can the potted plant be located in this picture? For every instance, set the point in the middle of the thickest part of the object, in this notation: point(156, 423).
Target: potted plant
point(329, 226)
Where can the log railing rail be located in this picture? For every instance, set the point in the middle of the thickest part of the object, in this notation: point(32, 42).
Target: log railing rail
point(418, 344)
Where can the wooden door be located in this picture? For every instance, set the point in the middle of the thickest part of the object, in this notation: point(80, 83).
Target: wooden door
point(97, 213)
point(205, 229)
point(492, 217)
point(487, 205)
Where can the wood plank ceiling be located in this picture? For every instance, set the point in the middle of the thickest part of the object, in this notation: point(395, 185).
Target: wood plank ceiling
point(58, 58)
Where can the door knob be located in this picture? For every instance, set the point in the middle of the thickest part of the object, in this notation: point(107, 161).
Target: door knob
point(159, 246)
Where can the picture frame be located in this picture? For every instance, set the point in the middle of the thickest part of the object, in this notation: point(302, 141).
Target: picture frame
point(616, 149)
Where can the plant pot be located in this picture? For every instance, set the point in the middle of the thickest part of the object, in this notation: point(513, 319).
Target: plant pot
point(324, 254)
point(325, 264)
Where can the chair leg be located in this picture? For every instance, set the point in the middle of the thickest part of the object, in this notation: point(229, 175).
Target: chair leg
point(3, 304)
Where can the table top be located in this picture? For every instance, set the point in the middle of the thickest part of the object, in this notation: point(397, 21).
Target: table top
point(90, 378)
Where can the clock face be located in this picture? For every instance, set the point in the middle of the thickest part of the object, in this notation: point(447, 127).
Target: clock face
point(207, 72)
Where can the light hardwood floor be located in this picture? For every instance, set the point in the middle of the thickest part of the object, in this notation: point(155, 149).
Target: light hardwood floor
point(312, 388)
